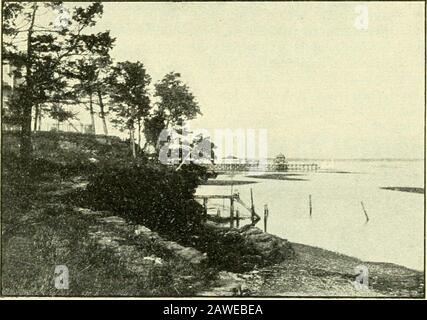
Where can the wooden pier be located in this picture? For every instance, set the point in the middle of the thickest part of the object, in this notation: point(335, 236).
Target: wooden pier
point(268, 167)
point(234, 214)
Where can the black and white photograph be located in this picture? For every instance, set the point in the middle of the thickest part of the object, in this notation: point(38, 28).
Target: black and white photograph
point(235, 149)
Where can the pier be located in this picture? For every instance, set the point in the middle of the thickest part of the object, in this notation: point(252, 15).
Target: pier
point(267, 167)
point(234, 214)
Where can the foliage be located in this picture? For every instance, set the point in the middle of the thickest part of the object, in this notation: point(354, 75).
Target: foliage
point(176, 105)
point(153, 126)
point(129, 81)
point(42, 54)
point(154, 195)
point(59, 113)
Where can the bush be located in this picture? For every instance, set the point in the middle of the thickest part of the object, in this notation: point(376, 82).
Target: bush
point(228, 250)
point(154, 195)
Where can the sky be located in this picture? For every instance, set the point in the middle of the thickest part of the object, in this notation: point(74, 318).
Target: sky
point(320, 86)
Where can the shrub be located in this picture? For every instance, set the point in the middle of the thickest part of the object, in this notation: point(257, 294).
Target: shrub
point(151, 194)
point(228, 250)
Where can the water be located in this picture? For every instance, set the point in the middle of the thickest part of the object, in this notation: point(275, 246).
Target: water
point(394, 233)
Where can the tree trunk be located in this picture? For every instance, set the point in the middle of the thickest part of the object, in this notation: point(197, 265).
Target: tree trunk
point(139, 134)
point(36, 117)
point(132, 141)
point(26, 145)
point(40, 120)
point(102, 113)
point(92, 117)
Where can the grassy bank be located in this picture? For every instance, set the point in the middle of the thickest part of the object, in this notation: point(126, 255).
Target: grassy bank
point(40, 230)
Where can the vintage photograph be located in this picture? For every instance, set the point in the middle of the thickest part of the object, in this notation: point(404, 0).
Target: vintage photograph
point(213, 149)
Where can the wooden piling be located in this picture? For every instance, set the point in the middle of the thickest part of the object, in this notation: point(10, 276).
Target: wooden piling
point(310, 205)
point(231, 212)
point(237, 218)
point(252, 207)
point(364, 211)
point(265, 217)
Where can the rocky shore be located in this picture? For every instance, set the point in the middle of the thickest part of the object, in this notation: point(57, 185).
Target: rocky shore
point(274, 266)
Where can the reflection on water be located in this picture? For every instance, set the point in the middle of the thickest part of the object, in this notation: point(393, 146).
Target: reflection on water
point(394, 233)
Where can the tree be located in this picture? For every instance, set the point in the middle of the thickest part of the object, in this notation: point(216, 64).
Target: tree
point(41, 53)
point(129, 84)
point(58, 113)
point(92, 72)
point(176, 105)
point(102, 90)
point(153, 126)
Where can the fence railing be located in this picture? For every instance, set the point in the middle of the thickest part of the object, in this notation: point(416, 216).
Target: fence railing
point(64, 127)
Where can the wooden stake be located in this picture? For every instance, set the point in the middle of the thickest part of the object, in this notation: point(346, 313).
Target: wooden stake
point(231, 212)
point(252, 207)
point(265, 217)
point(237, 218)
point(310, 204)
point(364, 210)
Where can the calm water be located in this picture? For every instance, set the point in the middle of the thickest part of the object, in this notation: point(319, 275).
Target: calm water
point(394, 233)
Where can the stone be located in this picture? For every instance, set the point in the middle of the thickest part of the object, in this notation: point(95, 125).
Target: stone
point(113, 219)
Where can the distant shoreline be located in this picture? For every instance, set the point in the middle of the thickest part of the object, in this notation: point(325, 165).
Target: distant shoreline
point(357, 159)
point(405, 189)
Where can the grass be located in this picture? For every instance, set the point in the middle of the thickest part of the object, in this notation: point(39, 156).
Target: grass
point(40, 231)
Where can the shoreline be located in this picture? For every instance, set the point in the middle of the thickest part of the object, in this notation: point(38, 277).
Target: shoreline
point(313, 272)
point(318, 272)
point(109, 256)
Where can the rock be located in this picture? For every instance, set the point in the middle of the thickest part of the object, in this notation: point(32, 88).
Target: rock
point(156, 260)
point(142, 230)
point(107, 242)
point(172, 246)
point(249, 231)
point(186, 253)
point(259, 237)
point(67, 145)
point(86, 211)
point(243, 249)
point(113, 219)
point(232, 236)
